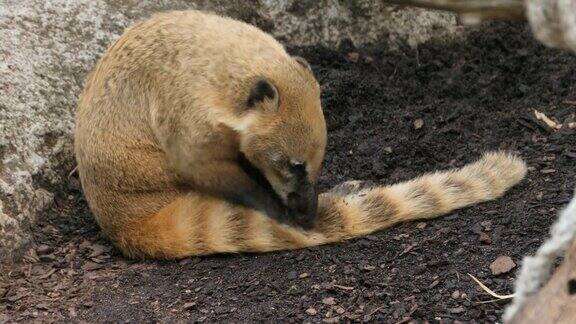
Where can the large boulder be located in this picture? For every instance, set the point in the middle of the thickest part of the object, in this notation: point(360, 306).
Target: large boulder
point(47, 47)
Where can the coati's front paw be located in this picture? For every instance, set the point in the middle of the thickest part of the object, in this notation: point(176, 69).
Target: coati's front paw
point(304, 221)
point(292, 217)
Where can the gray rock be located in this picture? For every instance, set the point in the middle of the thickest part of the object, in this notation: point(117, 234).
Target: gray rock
point(48, 46)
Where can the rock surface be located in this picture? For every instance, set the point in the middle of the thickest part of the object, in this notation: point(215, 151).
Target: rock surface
point(48, 46)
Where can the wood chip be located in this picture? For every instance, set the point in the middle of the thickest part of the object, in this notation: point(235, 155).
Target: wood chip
point(434, 284)
point(549, 122)
point(47, 274)
point(97, 250)
point(91, 266)
point(343, 287)
point(548, 171)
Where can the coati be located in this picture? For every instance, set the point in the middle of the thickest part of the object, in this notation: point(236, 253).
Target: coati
point(198, 134)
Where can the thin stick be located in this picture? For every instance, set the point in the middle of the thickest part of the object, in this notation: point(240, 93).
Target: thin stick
point(473, 10)
point(489, 291)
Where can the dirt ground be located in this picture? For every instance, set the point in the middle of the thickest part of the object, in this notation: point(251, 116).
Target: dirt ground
point(391, 116)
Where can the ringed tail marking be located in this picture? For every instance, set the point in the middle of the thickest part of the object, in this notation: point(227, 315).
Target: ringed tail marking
point(199, 225)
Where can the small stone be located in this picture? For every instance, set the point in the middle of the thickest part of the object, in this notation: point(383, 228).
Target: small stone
point(369, 267)
point(502, 264)
point(487, 225)
point(456, 294)
point(292, 275)
point(353, 57)
point(388, 149)
point(418, 123)
point(188, 306)
point(329, 301)
point(311, 311)
point(304, 275)
point(485, 238)
point(339, 310)
point(421, 225)
point(43, 249)
point(456, 310)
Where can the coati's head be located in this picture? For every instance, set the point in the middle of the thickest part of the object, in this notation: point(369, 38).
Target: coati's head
point(283, 133)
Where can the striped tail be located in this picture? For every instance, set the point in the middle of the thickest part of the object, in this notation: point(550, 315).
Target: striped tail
point(197, 225)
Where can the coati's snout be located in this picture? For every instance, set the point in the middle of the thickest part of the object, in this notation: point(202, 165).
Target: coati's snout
point(303, 198)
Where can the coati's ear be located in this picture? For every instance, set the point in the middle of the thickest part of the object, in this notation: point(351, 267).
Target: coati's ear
point(302, 62)
point(263, 92)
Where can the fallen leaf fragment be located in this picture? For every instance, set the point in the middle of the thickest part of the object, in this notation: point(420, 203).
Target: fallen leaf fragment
point(434, 284)
point(502, 264)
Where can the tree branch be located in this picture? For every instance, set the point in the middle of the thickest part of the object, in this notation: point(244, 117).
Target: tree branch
point(473, 11)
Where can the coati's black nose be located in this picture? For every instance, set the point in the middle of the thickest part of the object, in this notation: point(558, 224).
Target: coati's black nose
point(298, 169)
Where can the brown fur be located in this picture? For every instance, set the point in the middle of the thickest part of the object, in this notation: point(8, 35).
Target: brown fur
point(174, 103)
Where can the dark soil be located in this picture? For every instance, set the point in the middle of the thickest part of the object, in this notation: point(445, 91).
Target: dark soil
point(471, 97)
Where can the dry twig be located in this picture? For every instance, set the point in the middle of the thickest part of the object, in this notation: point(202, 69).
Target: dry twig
point(473, 11)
